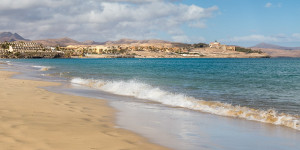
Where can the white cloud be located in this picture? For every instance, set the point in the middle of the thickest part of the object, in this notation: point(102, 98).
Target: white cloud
point(268, 5)
point(279, 5)
point(181, 38)
point(199, 24)
point(296, 35)
point(253, 38)
point(100, 20)
point(139, 1)
point(263, 38)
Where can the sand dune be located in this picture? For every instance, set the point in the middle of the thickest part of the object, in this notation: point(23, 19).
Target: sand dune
point(34, 119)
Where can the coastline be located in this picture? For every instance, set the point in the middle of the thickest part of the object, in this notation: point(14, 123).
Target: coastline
point(34, 118)
point(173, 127)
point(166, 55)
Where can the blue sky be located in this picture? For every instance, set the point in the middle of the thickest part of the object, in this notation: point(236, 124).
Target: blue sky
point(240, 21)
point(234, 22)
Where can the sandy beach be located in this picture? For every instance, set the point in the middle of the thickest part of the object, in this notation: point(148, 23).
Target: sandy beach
point(33, 118)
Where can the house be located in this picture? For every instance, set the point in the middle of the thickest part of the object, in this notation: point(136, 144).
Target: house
point(218, 45)
point(10, 49)
point(230, 48)
point(215, 45)
point(53, 49)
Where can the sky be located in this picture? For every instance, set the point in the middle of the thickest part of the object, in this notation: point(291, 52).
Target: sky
point(232, 22)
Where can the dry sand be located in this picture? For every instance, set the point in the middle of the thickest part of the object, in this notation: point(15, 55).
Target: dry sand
point(32, 118)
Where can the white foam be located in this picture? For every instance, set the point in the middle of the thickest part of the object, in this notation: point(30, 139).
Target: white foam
point(43, 68)
point(5, 62)
point(144, 91)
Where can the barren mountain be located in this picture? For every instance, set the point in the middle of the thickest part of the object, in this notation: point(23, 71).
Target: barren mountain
point(151, 42)
point(272, 46)
point(131, 41)
point(90, 42)
point(68, 41)
point(277, 51)
point(10, 37)
point(280, 52)
point(59, 42)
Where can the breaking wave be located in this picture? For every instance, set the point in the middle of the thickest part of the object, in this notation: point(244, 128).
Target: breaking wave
point(43, 68)
point(144, 91)
point(5, 62)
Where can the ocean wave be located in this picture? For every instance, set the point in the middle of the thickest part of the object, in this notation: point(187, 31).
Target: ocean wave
point(43, 68)
point(5, 62)
point(58, 74)
point(144, 91)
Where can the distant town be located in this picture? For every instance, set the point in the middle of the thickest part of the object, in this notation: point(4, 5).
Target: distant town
point(124, 48)
point(23, 49)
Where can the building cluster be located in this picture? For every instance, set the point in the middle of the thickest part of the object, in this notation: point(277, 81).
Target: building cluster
point(81, 50)
point(117, 49)
point(218, 45)
point(123, 49)
point(22, 47)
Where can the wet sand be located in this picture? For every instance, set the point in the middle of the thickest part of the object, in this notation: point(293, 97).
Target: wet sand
point(33, 118)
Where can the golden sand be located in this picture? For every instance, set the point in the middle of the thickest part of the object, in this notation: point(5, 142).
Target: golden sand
point(32, 118)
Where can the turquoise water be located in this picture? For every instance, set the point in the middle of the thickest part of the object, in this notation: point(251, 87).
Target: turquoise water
point(260, 97)
point(256, 83)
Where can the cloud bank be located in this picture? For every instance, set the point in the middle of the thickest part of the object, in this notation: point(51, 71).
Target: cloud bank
point(280, 38)
point(102, 20)
point(268, 5)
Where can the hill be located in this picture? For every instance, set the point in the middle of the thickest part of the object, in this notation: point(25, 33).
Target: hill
point(10, 37)
point(68, 41)
point(131, 41)
point(58, 42)
point(89, 42)
point(272, 46)
point(151, 42)
point(281, 53)
point(277, 50)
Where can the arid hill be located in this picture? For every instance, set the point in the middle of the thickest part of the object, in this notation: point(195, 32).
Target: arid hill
point(279, 52)
point(272, 46)
point(58, 42)
point(68, 41)
point(90, 42)
point(130, 41)
point(152, 42)
point(10, 37)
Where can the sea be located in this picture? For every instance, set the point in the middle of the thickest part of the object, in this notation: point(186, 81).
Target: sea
point(184, 103)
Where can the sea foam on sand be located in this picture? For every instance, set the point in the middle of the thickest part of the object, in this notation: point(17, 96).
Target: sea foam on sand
point(144, 91)
point(43, 68)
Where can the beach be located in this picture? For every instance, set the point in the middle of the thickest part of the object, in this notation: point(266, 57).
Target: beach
point(131, 103)
point(34, 118)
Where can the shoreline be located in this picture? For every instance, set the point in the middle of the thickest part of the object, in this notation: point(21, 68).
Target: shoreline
point(178, 128)
point(35, 118)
